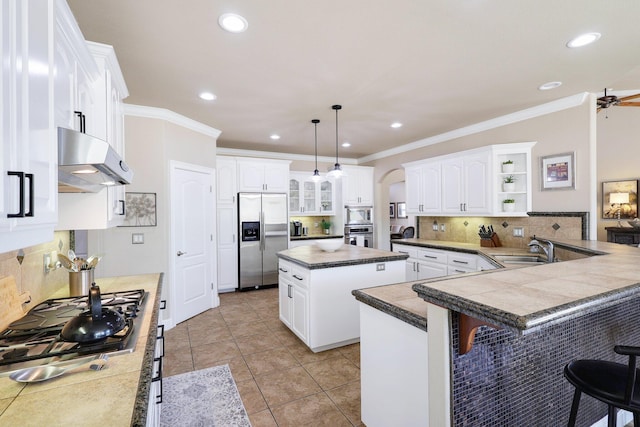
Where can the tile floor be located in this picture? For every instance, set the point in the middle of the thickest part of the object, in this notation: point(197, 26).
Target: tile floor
point(281, 382)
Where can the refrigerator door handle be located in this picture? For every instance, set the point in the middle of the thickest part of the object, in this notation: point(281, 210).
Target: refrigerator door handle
point(262, 234)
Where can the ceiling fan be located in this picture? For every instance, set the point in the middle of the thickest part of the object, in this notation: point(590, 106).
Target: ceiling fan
point(607, 101)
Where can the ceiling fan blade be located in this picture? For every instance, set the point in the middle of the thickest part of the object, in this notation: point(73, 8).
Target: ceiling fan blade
point(626, 98)
point(629, 104)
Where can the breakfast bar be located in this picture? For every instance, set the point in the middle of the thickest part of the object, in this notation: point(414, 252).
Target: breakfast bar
point(526, 324)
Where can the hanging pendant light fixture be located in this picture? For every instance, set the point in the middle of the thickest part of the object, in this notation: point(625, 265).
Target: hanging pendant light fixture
point(337, 169)
point(316, 174)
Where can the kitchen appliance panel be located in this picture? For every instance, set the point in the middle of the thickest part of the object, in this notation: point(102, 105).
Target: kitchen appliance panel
point(356, 215)
point(266, 218)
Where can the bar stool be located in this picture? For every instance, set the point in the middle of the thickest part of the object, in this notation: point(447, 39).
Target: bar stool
point(615, 384)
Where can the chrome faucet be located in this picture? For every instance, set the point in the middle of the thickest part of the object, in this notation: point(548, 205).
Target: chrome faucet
point(549, 250)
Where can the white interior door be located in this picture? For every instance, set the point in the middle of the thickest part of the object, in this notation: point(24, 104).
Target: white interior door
point(192, 224)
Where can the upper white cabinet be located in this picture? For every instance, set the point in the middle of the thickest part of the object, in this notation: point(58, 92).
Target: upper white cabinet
point(103, 118)
point(263, 175)
point(357, 185)
point(470, 182)
point(28, 157)
point(308, 197)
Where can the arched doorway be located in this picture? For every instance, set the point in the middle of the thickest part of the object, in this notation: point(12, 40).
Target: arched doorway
point(383, 188)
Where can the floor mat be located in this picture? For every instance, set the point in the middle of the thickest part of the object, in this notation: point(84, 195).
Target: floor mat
point(207, 397)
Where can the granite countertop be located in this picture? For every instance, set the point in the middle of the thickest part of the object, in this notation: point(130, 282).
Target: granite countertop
point(317, 236)
point(311, 257)
point(116, 396)
point(526, 299)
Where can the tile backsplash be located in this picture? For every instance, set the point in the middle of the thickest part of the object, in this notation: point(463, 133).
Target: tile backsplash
point(465, 229)
point(30, 276)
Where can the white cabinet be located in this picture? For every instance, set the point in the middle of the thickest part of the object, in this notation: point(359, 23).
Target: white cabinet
point(293, 283)
point(226, 223)
point(103, 118)
point(470, 182)
point(263, 175)
point(28, 157)
point(357, 185)
point(307, 197)
point(424, 184)
point(466, 184)
point(427, 263)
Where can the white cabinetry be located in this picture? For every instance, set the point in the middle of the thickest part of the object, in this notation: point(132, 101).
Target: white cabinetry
point(28, 157)
point(470, 182)
point(424, 184)
point(263, 175)
point(226, 224)
point(307, 197)
point(317, 304)
point(427, 263)
point(357, 185)
point(104, 119)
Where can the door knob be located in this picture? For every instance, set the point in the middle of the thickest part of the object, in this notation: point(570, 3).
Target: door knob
point(180, 253)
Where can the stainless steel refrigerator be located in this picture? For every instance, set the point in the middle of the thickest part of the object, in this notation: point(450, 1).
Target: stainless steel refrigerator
point(264, 230)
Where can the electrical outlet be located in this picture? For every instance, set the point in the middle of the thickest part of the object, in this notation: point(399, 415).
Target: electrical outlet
point(443, 227)
point(434, 227)
point(47, 263)
point(380, 267)
point(518, 232)
point(137, 238)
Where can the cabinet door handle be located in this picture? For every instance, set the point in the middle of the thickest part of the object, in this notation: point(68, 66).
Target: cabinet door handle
point(465, 207)
point(297, 277)
point(83, 123)
point(430, 256)
point(284, 270)
point(20, 176)
point(163, 304)
point(158, 378)
point(289, 291)
point(417, 267)
point(122, 207)
point(460, 262)
point(30, 177)
point(180, 253)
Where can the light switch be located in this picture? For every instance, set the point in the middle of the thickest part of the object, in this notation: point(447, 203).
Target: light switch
point(518, 232)
point(443, 227)
point(137, 238)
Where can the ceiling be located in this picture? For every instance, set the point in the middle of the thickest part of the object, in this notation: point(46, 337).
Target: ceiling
point(432, 65)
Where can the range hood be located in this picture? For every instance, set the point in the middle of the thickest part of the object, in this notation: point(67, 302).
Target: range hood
point(87, 164)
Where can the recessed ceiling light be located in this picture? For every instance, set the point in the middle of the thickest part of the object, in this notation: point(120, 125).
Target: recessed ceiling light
point(275, 137)
point(549, 85)
point(207, 96)
point(346, 144)
point(583, 40)
point(396, 125)
point(233, 23)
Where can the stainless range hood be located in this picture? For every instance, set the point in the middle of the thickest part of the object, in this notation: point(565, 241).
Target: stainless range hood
point(87, 164)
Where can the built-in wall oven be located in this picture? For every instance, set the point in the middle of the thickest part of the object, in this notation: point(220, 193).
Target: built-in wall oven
point(359, 235)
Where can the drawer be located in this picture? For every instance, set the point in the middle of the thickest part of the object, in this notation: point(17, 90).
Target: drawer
point(469, 262)
point(432, 255)
point(299, 276)
point(452, 269)
point(285, 269)
point(412, 251)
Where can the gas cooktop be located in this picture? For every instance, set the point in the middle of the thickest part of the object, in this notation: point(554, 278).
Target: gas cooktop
point(35, 338)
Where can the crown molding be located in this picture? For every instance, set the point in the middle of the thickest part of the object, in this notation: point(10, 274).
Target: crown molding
point(169, 116)
point(518, 116)
point(222, 151)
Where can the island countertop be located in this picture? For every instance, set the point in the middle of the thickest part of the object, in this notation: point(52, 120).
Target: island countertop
point(312, 257)
point(116, 396)
point(522, 299)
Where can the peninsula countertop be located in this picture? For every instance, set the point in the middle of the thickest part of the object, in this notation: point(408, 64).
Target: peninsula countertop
point(312, 257)
point(116, 396)
point(523, 299)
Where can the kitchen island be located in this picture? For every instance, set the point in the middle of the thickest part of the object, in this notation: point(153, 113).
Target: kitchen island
point(116, 396)
point(518, 327)
point(315, 290)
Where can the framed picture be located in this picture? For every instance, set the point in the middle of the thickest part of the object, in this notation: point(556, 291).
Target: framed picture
point(402, 210)
point(620, 197)
point(140, 210)
point(558, 172)
point(392, 210)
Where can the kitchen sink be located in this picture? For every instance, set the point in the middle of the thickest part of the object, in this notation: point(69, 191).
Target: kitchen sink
point(520, 259)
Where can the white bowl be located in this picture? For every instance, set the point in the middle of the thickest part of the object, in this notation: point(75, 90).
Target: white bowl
point(329, 245)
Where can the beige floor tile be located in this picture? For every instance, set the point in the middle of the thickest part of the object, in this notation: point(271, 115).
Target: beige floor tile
point(347, 398)
point(351, 352)
point(251, 396)
point(177, 362)
point(304, 354)
point(239, 369)
point(256, 343)
point(204, 336)
point(287, 338)
point(315, 410)
point(207, 355)
point(284, 386)
point(262, 419)
point(245, 329)
point(334, 372)
point(268, 361)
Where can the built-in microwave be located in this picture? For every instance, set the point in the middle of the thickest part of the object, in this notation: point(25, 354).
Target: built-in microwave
point(358, 215)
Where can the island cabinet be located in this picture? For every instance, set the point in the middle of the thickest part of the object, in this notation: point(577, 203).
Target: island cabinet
point(471, 182)
point(28, 156)
point(315, 290)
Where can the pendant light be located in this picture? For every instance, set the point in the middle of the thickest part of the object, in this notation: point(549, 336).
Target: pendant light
point(337, 169)
point(316, 174)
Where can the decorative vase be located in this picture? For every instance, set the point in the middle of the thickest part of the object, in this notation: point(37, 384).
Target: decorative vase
point(326, 231)
point(508, 207)
point(508, 167)
point(508, 187)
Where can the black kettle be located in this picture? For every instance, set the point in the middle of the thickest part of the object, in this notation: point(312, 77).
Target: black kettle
point(95, 324)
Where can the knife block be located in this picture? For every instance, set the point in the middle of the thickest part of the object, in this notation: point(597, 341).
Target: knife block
point(490, 242)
